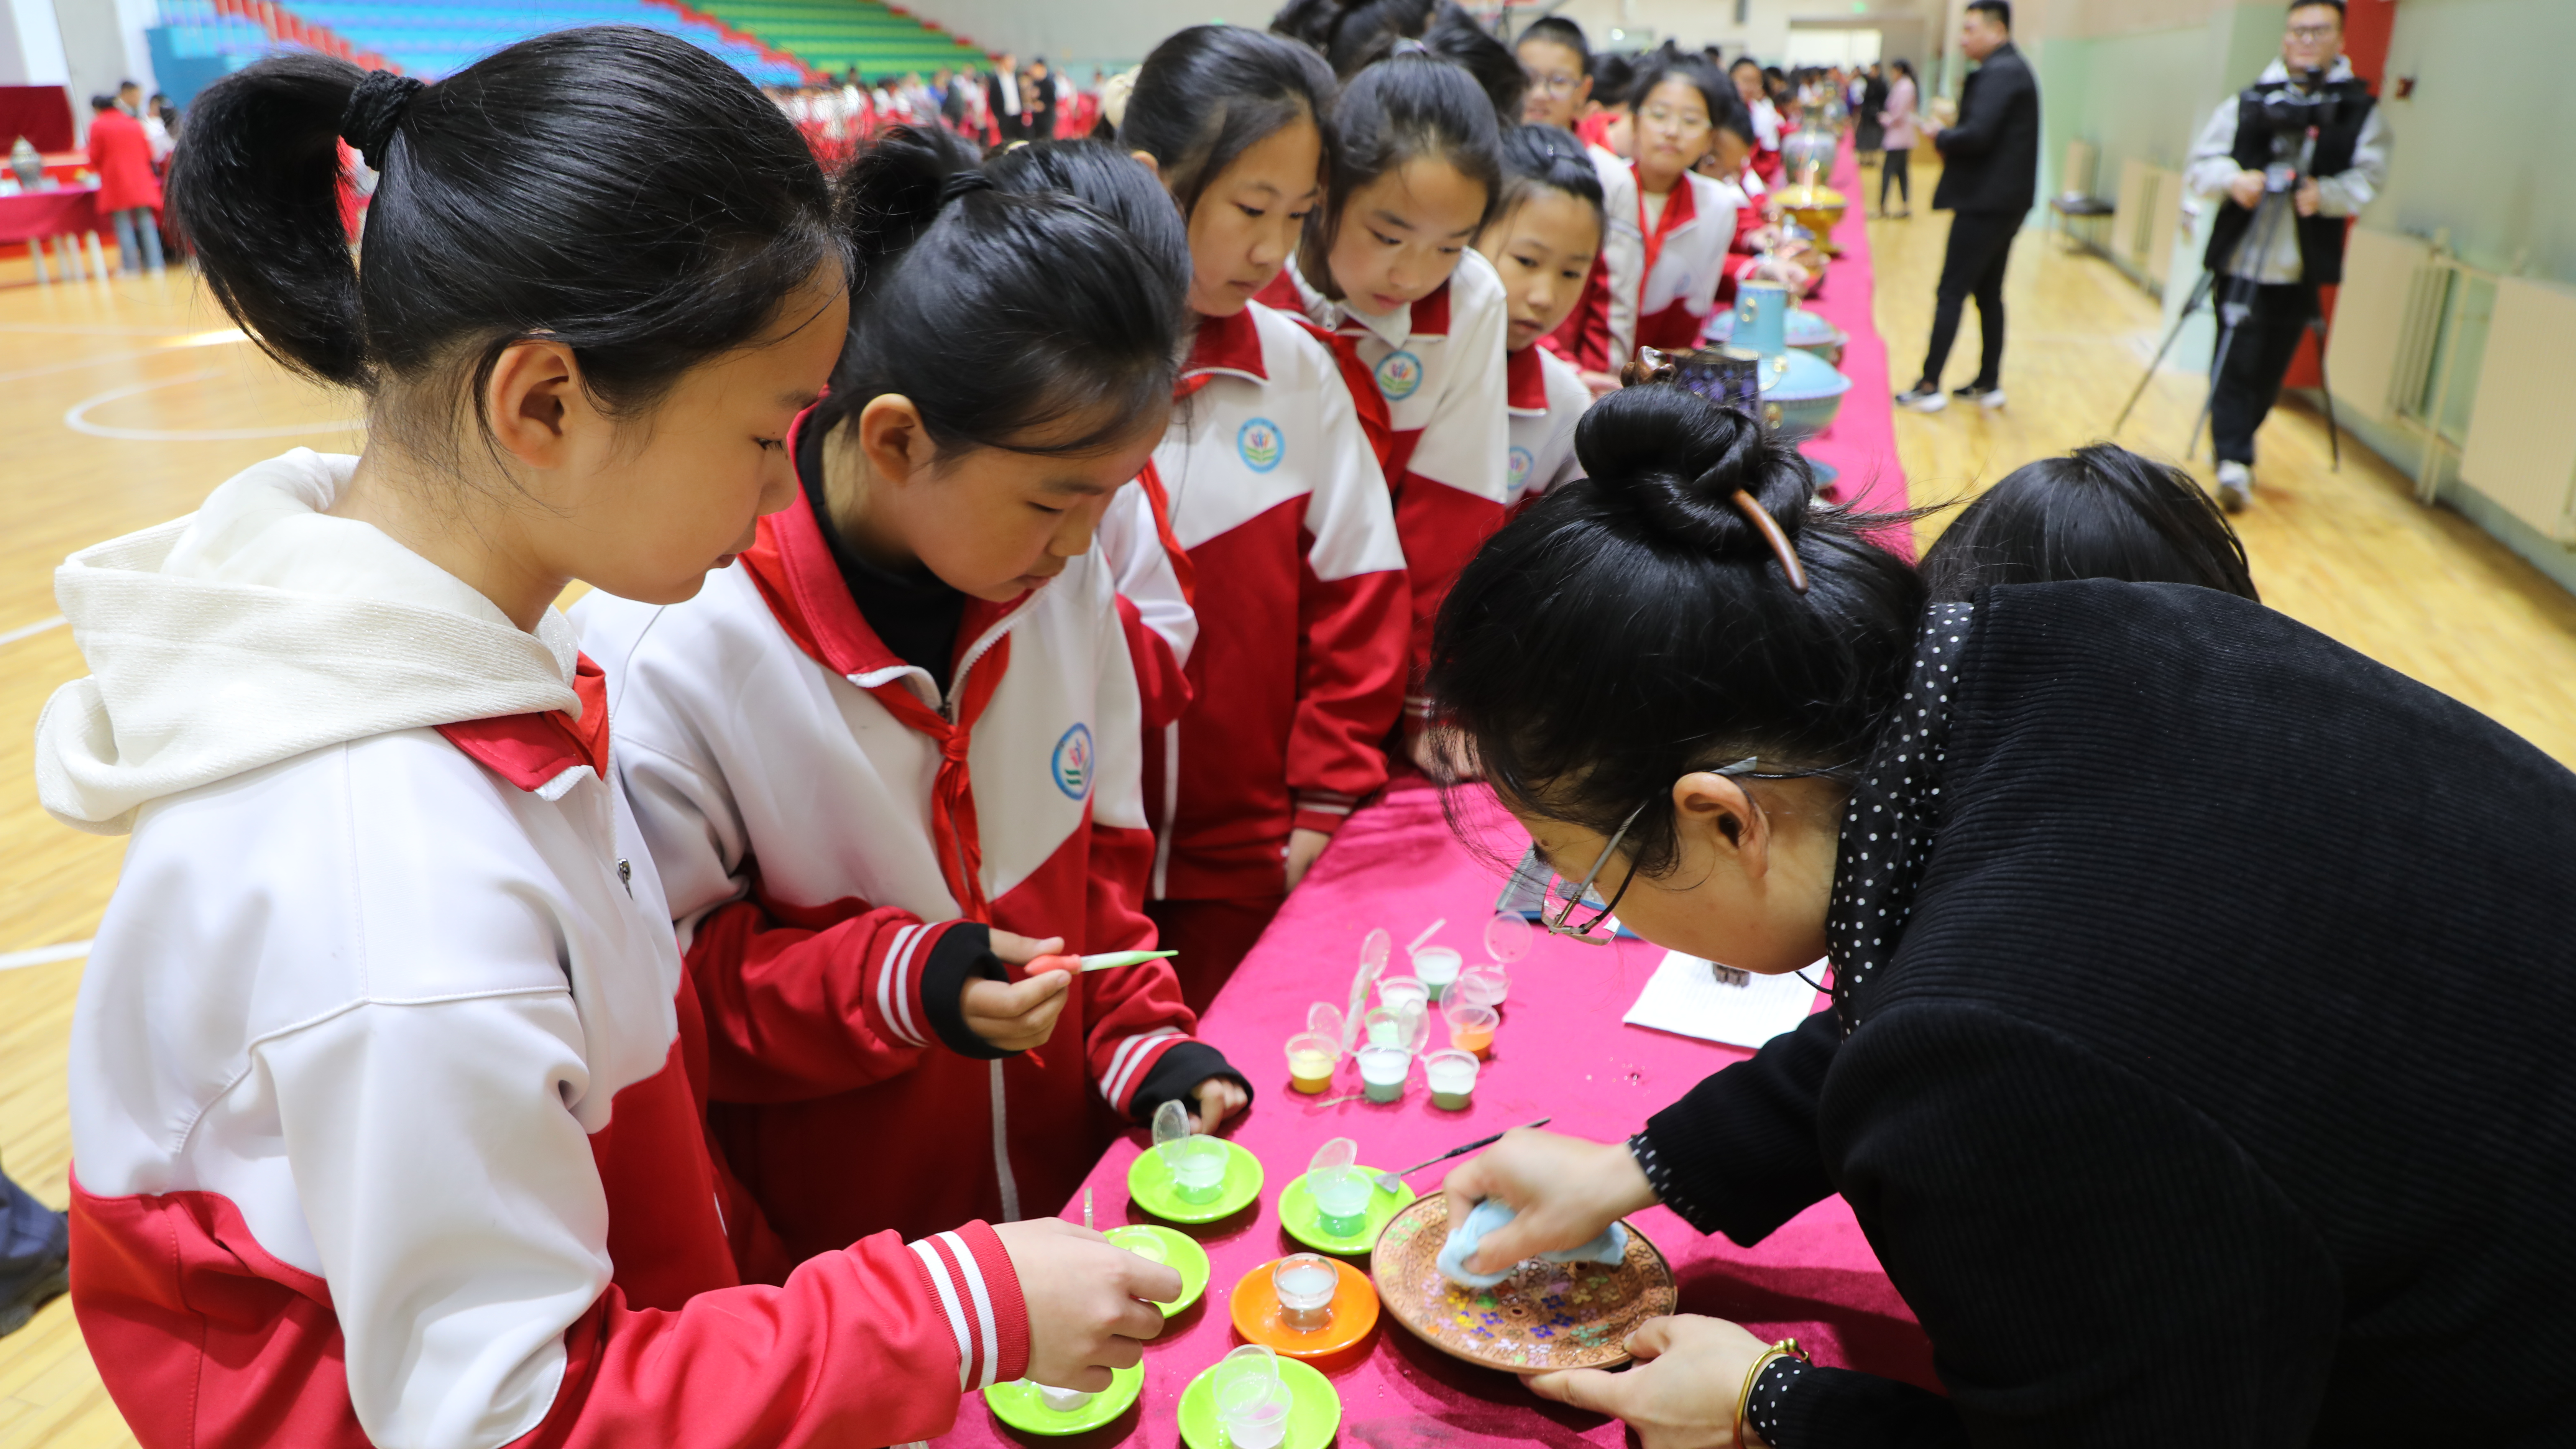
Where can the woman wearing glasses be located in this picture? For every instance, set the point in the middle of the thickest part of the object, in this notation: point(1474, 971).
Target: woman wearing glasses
point(2197, 1063)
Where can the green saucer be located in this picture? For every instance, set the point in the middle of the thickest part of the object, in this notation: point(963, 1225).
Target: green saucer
point(1181, 1253)
point(1018, 1405)
point(1314, 1410)
point(1297, 1214)
point(1149, 1186)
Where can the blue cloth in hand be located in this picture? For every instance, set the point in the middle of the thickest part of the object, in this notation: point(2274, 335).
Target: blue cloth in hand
point(1492, 1213)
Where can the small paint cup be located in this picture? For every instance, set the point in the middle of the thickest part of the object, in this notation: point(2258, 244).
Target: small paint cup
point(1438, 968)
point(1062, 1401)
point(1452, 1075)
point(1198, 1167)
point(1311, 1056)
point(1341, 1198)
point(1471, 1028)
point(1251, 1401)
point(1305, 1284)
point(1383, 1070)
point(1485, 985)
point(1394, 991)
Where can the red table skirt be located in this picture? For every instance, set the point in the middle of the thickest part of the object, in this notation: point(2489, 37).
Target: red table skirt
point(1563, 1053)
point(33, 214)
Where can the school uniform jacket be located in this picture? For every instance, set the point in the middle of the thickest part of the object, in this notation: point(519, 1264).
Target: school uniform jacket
point(1686, 250)
point(816, 860)
point(386, 1079)
point(1439, 367)
point(1547, 399)
point(1155, 592)
point(1600, 334)
point(1277, 498)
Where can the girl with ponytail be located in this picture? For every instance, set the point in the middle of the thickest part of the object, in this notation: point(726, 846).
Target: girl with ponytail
point(384, 1079)
point(2155, 1148)
point(1276, 505)
point(893, 759)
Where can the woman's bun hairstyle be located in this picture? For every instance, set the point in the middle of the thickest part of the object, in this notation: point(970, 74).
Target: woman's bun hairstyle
point(1640, 623)
point(1008, 299)
point(1209, 93)
point(609, 187)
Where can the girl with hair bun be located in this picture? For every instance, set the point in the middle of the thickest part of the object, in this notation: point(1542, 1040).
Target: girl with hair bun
point(1543, 244)
point(893, 758)
point(385, 1075)
point(2164, 1068)
point(1390, 267)
point(1276, 506)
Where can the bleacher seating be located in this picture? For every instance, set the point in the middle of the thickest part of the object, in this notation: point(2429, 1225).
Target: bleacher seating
point(834, 35)
point(432, 38)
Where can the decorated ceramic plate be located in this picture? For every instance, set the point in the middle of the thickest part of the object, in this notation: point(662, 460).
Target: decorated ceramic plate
point(1297, 1214)
point(1545, 1316)
point(1314, 1410)
point(1181, 1254)
point(1149, 1186)
point(1018, 1405)
point(1254, 1306)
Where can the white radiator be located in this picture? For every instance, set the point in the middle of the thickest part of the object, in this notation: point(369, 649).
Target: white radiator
point(2522, 434)
point(2386, 314)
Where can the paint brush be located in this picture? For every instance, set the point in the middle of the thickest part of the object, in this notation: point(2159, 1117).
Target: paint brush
point(1103, 961)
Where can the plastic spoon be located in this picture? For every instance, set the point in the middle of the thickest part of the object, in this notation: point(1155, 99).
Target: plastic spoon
point(1374, 948)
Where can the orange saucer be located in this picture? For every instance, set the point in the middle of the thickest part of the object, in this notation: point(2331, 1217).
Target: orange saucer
point(1256, 1313)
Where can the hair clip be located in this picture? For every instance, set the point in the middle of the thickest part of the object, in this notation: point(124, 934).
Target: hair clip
point(1772, 535)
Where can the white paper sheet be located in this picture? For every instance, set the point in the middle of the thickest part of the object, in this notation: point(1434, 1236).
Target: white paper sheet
point(1690, 997)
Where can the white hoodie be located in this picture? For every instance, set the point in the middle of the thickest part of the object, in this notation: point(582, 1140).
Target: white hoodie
point(382, 966)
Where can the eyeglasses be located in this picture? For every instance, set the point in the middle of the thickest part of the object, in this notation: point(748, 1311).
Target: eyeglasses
point(1666, 116)
point(2311, 34)
point(1557, 918)
point(1558, 84)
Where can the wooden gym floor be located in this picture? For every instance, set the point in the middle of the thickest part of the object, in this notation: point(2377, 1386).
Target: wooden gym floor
point(125, 402)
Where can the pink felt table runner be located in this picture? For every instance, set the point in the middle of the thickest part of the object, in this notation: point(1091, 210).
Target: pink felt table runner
point(1562, 1053)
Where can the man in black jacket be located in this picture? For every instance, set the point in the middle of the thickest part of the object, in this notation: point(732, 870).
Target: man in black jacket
point(1989, 177)
point(1006, 97)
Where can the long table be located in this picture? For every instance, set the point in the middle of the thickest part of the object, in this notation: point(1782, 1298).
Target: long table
point(1562, 1053)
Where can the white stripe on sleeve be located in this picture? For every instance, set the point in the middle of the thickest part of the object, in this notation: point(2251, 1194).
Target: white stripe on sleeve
point(948, 1303)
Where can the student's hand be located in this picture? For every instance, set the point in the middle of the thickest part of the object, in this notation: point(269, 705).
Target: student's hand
point(1303, 847)
point(1218, 1099)
point(2247, 189)
point(2308, 199)
point(1602, 383)
point(1681, 1394)
point(1015, 1016)
point(1566, 1191)
point(1763, 238)
point(1087, 1299)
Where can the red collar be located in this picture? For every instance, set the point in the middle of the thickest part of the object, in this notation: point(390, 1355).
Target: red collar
point(1228, 344)
point(1431, 314)
point(529, 750)
point(1525, 381)
point(1282, 295)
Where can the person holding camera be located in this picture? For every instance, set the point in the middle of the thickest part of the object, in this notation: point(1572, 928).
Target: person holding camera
point(2290, 157)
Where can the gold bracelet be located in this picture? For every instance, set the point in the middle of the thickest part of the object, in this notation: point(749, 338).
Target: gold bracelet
point(1785, 1348)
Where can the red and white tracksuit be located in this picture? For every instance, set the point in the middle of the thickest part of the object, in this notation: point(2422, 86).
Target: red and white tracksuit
point(820, 816)
point(1547, 399)
point(386, 1077)
point(1686, 258)
point(1600, 334)
point(1439, 367)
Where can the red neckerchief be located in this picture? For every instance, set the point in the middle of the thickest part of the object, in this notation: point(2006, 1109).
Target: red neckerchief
point(791, 564)
point(530, 749)
point(1525, 380)
point(1678, 208)
point(1151, 480)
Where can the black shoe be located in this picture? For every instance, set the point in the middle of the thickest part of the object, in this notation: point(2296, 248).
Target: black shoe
point(1980, 394)
point(35, 1293)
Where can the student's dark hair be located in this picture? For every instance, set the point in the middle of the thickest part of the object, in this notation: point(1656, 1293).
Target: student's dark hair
point(1614, 78)
point(2100, 512)
point(1110, 181)
point(1742, 61)
point(2337, 6)
point(1636, 625)
point(1356, 34)
point(1726, 109)
point(1209, 93)
point(1557, 30)
point(1402, 109)
point(102, 103)
point(1004, 310)
point(2001, 10)
point(1546, 158)
point(610, 188)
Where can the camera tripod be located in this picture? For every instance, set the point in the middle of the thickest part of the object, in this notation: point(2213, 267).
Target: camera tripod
point(2237, 305)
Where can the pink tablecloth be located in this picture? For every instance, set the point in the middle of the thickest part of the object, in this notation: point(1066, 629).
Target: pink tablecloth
point(1862, 442)
point(1562, 1052)
point(30, 214)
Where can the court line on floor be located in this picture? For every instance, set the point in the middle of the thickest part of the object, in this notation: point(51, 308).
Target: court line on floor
point(45, 955)
point(29, 631)
point(76, 418)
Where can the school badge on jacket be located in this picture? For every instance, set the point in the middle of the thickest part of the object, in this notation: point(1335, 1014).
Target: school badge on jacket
point(1261, 444)
point(1072, 763)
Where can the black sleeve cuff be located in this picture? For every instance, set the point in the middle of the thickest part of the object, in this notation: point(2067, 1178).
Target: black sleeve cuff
point(1177, 1073)
point(963, 951)
point(1800, 1406)
point(1738, 1154)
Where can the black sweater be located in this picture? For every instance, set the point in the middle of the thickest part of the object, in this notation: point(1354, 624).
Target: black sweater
point(1990, 160)
point(2222, 1087)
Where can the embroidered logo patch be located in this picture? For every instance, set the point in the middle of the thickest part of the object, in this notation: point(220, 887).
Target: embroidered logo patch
point(1521, 461)
point(1072, 764)
point(1398, 375)
point(1260, 443)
